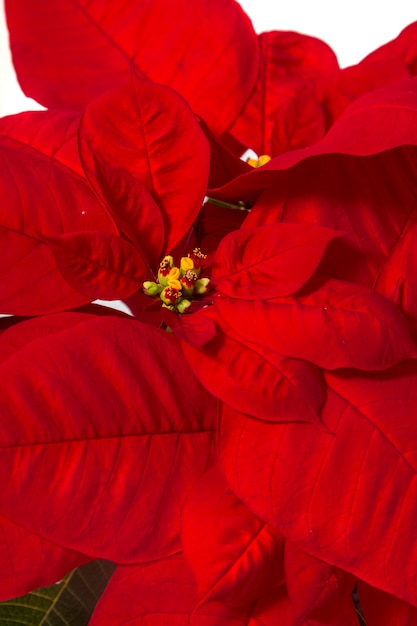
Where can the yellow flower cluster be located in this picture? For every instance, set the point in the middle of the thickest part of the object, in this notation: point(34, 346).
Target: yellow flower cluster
point(176, 285)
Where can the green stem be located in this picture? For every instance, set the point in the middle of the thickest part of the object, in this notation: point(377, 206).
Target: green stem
point(240, 206)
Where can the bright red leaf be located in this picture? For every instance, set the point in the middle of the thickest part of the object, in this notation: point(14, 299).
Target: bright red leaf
point(376, 122)
point(257, 380)
point(331, 324)
point(289, 62)
point(318, 590)
point(70, 52)
point(134, 596)
point(371, 199)
point(269, 261)
point(94, 426)
point(99, 265)
point(53, 134)
point(346, 496)
point(145, 134)
point(42, 199)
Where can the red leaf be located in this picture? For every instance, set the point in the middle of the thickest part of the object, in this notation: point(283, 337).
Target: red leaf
point(145, 134)
point(256, 380)
point(134, 596)
point(42, 199)
point(29, 562)
point(196, 330)
point(161, 593)
point(50, 133)
point(269, 261)
point(100, 265)
point(289, 62)
point(371, 199)
point(66, 54)
point(332, 324)
point(397, 279)
point(376, 122)
point(224, 165)
point(97, 441)
point(347, 498)
point(235, 556)
point(318, 590)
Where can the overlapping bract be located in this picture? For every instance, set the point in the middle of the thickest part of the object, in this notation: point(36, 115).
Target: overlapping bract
point(258, 462)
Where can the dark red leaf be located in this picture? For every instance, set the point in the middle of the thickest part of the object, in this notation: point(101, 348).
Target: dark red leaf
point(269, 261)
point(145, 134)
point(68, 53)
point(381, 609)
point(96, 440)
point(397, 278)
point(235, 557)
point(345, 496)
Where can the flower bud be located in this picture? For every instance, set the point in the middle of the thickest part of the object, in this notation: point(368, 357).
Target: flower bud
point(151, 289)
point(201, 286)
point(183, 305)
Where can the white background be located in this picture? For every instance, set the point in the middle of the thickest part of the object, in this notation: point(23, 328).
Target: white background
point(353, 28)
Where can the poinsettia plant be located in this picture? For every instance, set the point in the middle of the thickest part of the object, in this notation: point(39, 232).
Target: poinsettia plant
point(242, 445)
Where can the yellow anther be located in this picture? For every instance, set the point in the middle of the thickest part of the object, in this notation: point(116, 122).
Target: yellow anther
point(262, 160)
point(174, 274)
point(186, 264)
point(174, 284)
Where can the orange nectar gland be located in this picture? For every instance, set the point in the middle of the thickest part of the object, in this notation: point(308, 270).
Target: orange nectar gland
point(176, 284)
point(262, 160)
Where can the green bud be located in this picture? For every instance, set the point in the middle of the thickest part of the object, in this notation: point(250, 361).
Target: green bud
point(202, 285)
point(151, 289)
point(183, 305)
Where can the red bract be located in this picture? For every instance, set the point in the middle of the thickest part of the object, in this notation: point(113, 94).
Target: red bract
point(256, 464)
point(67, 54)
point(145, 154)
point(301, 91)
point(340, 495)
point(289, 63)
point(235, 556)
point(269, 261)
point(30, 561)
point(101, 451)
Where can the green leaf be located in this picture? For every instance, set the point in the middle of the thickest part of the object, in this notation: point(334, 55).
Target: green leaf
point(68, 603)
